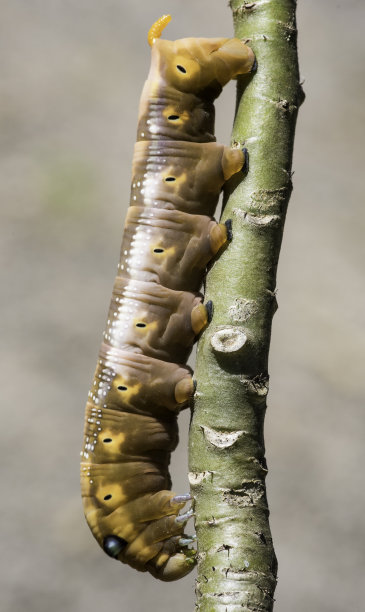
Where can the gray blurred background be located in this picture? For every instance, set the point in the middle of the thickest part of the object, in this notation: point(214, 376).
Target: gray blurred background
point(71, 77)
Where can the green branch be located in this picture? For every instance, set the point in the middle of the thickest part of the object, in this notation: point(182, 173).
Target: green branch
point(236, 560)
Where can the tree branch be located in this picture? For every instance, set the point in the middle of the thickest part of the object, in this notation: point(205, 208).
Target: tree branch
point(236, 560)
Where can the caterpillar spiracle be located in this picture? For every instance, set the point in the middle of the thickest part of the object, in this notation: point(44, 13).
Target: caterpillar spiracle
point(141, 380)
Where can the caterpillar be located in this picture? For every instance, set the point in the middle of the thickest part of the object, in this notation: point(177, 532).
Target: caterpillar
point(141, 380)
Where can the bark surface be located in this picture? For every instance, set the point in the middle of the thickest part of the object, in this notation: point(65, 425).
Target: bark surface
point(237, 566)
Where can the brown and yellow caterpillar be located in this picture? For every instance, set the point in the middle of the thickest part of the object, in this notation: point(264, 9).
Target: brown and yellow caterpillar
point(141, 380)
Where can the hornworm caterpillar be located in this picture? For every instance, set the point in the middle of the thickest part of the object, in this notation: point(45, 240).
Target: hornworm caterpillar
point(141, 380)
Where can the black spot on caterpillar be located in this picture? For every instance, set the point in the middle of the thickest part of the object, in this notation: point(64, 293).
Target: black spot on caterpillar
point(141, 380)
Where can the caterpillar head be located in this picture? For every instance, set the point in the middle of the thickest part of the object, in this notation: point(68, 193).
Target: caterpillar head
point(198, 65)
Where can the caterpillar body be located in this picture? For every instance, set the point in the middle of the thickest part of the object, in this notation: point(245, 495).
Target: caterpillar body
point(141, 380)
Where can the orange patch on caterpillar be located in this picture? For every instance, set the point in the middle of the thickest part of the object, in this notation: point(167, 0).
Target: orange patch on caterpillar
point(175, 116)
point(169, 177)
point(110, 496)
point(142, 327)
point(112, 441)
point(123, 391)
point(160, 251)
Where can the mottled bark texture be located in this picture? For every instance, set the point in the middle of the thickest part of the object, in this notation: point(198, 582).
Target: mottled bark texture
point(237, 567)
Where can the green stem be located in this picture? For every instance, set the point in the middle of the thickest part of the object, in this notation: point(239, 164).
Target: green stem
point(236, 560)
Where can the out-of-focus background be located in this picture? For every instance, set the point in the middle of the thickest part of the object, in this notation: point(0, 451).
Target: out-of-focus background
point(71, 77)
